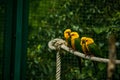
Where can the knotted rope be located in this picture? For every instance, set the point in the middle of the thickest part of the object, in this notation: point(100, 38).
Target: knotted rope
point(58, 66)
point(55, 45)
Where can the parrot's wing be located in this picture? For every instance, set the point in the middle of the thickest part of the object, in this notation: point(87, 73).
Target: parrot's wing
point(95, 50)
point(77, 45)
point(69, 42)
point(78, 48)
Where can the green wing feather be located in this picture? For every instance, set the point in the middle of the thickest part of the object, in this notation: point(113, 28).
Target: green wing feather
point(77, 45)
point(69, 42)
point(78, 48)
point(95, 50)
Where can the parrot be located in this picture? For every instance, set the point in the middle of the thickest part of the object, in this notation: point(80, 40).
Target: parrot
point(75, 41)
point(67, 37)
point(91, 49)
point(75, 44)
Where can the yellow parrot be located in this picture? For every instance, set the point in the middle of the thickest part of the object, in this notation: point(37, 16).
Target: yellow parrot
point(67, 37)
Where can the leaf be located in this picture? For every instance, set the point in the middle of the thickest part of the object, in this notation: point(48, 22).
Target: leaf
point(101, 66)
point(99, 30)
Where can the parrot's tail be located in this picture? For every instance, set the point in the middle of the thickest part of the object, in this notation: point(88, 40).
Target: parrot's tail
point(95, 66)
point(80, 64)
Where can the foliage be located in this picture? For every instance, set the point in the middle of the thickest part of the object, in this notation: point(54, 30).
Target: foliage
point(2, 25)
point(49, 18)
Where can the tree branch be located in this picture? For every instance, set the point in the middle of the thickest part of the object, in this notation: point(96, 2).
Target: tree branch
point(112, 56)
point(55, 43)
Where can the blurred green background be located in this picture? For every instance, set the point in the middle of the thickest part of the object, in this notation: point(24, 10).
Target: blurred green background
point(49, 18)
point(2, 24)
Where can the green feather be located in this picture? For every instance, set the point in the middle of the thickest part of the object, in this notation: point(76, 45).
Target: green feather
point(95, 50)
point(77, 45)
point(69, 42)
point(78, 48)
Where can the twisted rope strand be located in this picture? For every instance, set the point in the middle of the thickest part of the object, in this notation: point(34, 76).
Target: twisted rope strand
point(58, 66)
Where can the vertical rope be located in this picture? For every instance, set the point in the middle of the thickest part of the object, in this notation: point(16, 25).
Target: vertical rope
point(58, 66)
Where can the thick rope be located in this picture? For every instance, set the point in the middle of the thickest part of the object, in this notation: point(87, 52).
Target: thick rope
point(56, 45)
point(58, 66)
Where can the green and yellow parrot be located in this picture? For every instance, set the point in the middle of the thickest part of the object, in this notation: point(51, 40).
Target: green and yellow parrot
point(89, 47)
point(75, 41)
point(67, 37)
point(75, 44)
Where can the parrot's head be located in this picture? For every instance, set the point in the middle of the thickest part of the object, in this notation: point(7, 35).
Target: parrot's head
point(89, 41)
point(67, 33)
point(86, 40)
point(83, 41)
point(74, 35)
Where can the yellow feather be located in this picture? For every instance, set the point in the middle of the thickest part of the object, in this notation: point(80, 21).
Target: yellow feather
point(85, 41)
point(67, 33)
point(73, 35)
point(89, 41)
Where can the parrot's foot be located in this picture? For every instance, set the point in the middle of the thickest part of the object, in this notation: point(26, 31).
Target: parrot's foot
point(92, 55)
point(70, 49)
